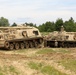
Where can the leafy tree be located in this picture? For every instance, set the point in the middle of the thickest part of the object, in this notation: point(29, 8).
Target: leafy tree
point(47, 27)
point(4, 22)
point(14, 24)
point(58, 24)
point(70, 25)
point(30, 24)
point(42, 27)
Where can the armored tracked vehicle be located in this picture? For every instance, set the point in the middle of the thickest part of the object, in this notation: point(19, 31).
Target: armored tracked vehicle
point(61, 39)
point(20, 37)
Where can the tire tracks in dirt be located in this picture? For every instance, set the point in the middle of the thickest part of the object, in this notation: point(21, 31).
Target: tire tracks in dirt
point(48, 59)
point(43, 58)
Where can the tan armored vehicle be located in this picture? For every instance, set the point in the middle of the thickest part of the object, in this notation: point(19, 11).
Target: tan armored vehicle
point(20, 37)
point(61, 39)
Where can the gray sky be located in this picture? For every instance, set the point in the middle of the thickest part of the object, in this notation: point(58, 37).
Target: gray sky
point(37, 11)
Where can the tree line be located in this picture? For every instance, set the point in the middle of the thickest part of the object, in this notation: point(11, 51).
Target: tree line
point(70, 25)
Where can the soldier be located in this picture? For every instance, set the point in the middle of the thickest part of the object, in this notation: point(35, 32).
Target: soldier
point(56, 43)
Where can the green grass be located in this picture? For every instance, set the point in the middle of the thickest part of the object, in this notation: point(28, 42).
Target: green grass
point(62, 50)
point(6, 70)
point(51, 71)
point(1, 73)
point(50, 50)
point(35, 66)
point(45, 69)
point(45, 51)
point(69, 64)
point(13, 70)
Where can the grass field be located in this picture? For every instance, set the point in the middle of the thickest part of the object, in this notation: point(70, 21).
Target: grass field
point(40, 61)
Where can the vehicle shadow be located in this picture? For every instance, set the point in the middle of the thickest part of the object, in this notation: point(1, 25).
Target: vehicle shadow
point(3, 49)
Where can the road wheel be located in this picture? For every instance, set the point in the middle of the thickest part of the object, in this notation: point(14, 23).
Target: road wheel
point(41, 40)
point(22, 45)
point(68, 45)
point(65, 45)
point(11, 46)
point(31, 44)
point(16, 46)
point(26, 44)
point(36, 44)
point(6, 45)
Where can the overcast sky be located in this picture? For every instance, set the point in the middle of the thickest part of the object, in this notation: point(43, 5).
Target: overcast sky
point(37, 11)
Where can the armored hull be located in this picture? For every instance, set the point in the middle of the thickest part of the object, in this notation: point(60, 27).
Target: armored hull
point(60, 39)
point(20, 37)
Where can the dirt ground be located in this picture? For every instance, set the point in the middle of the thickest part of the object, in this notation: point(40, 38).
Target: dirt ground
point(19, 59)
